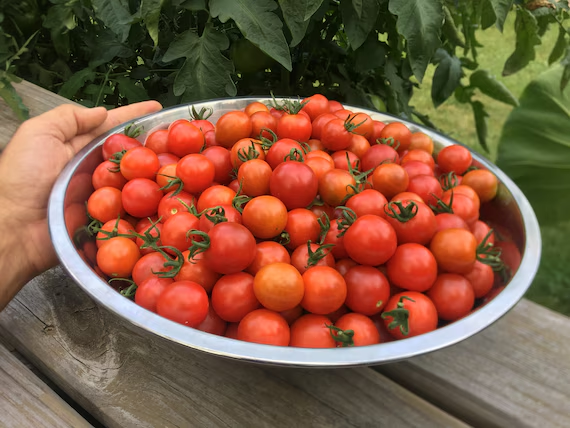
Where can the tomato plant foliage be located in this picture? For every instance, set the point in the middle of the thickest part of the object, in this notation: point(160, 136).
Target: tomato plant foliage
point(366, 52)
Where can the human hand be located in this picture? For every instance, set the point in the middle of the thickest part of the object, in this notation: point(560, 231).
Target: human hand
point(29, 167)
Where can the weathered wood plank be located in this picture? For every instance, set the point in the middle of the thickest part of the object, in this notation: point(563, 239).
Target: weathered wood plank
point(37, 99)
point(515, 373)
point(26, 401)
point(126, 378)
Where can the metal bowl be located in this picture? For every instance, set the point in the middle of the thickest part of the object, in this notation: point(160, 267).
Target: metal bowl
point(510, 209)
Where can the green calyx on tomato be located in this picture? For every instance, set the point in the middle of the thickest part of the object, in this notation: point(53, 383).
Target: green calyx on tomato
point(490, 255)
point(249, 154)
point(448, 181)
point(345, 337)
point(325, 225)
point(346, 220)
point(191, 208)
point(389, 141)
point(197, 247)
point(175, 182)
point(294, 155)
point(402, 213)
point(128, 292)
point(203, 114)
point(133, 131)
point(289, 106)
point(266, 143)
point(215, 215)
point(317, 255)
point(283, 238)
point(240, 200)
point(349, 124)
point(116, 159)
point(400, 316)
point(441, 207)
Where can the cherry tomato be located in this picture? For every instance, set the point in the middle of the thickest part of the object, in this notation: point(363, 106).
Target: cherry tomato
point(255, 107)
point(141, 197)
point(264, 326)
point(184, 138)
point(167, 159)
point(311, 331)
point(218, 214)
point(213, 323)
point(214, 196)
point(175, 231)
point(450, 221)
point(455, 250)
point(335, 186)
point(412, 267)
point(364, 331)
point(341, 162)
point(390, 179)
point(295, 184)
point(464, 207)
point(279, 150)
point(415, 168)
point(315, 106)
point(344, 265)
point(231, 249)
point(319, 165)
point(254, 176)
point(231, 127)
point(484, 182)
point(370, 240)
point(291, 315)
point(113, 227)
point(481, 278)
point(268, 252)
point(171, 204)
point(336, 134)
point(378, 126)
point(319, 122)
point(203, 125)
point(260, 121)
point(118, 143)
point(196, 171)
point(149, 290)
point(379, 154)
point(265, 216)
point(197, 271)
point(421, 141)
point(184, 302)
point(315, 145)
point(510, 255)
point(244, 150)
point(295, 126)
point(421, 315)
point(149, 266)
point(454, 158)
point(325, 290)
point(278, 287)
point(412, 221)
point(359, 145)
point(166, 178)
point(368, 201)
point(399, 132)
point(221, 159)
point(407, 196)
point(418, 156)
point(452, 295)
point(368, 290)
point(335, 105)
point(427, 187)
point(105, 204)
point(463, 190)
point(154, 230)
point(108, 175)
point(320, 154)
point(118, 257)
point(365, 125)
point(233, 297)
point(302, 259)
point(302, 226)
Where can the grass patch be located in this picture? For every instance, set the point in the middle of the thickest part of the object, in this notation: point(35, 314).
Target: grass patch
point(551, 287)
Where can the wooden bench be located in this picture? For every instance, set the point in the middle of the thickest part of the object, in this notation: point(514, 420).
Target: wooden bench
point(516, 373)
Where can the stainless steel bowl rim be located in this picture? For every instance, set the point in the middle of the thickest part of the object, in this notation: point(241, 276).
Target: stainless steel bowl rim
point(107, 297)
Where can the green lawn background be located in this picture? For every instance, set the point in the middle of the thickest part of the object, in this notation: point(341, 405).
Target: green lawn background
point(552, 284)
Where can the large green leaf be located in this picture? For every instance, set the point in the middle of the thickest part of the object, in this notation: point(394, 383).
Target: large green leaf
point(258, 23)
point(206, 73)
point(129, 89)
point(534, 149)
point(481, 123)
point(559, 47)
point(297, 14)
point(420, 22)
point(491, 87)
point(372, 54)
point(76, 82)
point(13, 99)
point(357, 29)
point(500, 9)
point(115, 15)
point(526, 28)
point(150, 12)
point(446, 77)
point(61, 17)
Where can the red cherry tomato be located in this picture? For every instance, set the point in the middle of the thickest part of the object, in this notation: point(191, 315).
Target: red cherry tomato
point(184, 302)
point(264, 326)
point(311, 331)
point(409, 314)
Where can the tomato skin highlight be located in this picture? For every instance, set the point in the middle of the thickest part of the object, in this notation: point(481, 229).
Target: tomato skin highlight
point(149, 290)
point(184, 302)
point(117, 258)
point(264, 326)
point(265, 216)
point(141, 197)
point(233, 296)
point(105, 204)
point(278, 287)
point(412, 267)
point(196, 171)
point(368, 290)
point(452, 295)
point(325, 290)
point(370, 240)
point(295, 184)
point(231, 127)
point(311, 331)
point(455, 250)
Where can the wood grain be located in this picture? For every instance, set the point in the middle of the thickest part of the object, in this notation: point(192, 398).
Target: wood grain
point(26, 401)
point(126, 378)
point(515, 373)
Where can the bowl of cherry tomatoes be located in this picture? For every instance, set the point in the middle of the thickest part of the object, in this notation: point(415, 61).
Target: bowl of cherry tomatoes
point(294, 232)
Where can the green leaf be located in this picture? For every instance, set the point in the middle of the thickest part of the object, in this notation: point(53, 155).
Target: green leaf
point(357, 29)
point(534, 148)
point(357, 5)
point(450, 30)
point(488, 17)
point(131, 91)
point(419, 21)
point(501, 9)
point(559, 47)
point(295, 13)
point(371, 55)
point(566, 72)
point(150, 11)
point(61, 17)
point(193, 5)
point(105, 47)
point(491, 87)
point(76, 82)
point(481, 119)
point(206, 73)
point(446, 77)
point(526, 29)
point(13, 99)
point(115, 15)
point(258, 23)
